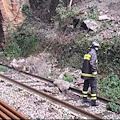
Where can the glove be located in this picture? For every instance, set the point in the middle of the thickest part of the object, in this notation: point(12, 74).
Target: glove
point(94, 73)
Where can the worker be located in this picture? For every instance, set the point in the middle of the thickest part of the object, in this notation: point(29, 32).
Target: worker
point(89, 72)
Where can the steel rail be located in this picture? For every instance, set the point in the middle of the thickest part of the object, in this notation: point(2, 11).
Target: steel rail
point(71, 107)
point(104, 100)
point(73, 89)
point(36, 76)
point(8, 113)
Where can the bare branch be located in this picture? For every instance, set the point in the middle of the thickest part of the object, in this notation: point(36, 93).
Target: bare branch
point(70, 3)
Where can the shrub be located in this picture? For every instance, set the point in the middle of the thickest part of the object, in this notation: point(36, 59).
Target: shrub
point(68, 78)
point(3, 69)
point(109, 87)
point(27, 41)
point(26, 10)
point(12, 50)
point(113, 107)
point(22, 43)
point(109, 56)
point(93, 14)
point(64, 15)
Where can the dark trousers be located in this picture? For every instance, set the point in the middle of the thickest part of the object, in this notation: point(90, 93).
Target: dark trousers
point(93, 84)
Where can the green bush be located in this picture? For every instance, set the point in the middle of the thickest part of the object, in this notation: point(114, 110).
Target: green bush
point(3, 69)
point(113, 107)
point(93, 14)
point(109, 57)
point(12, 50)
point(68, 78)
point(109, 87)
point(27, 41)
point(22, 43)
point(26, 10)
point(64, 15)
point(72, 53)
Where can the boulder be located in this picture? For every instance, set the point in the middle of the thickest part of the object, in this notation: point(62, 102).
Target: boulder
point(62, 85)
point(103, 17)
point(38, 66)
point(18, 64)
point(92, 25)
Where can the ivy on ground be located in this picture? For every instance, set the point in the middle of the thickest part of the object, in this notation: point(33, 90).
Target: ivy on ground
point(109, 87)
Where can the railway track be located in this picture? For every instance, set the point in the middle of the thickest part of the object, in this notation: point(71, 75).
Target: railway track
point(73, 89)
point(55, 100)
point(68, 100)
point(8, 113)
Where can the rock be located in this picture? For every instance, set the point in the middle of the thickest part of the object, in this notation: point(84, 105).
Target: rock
point(61, 76)
point(2, 81)
point(13, 62)
point(51, 109)
point(18, 64)
point(66, 70)
point(53, 90)
point(70, 72)
point(92, 25)
point(9, 85)
point(103, 17)
point(37, 65)
point(100, 1)
point(62, 85)
point(50, 85)
point(118, 33)
point(21, 62)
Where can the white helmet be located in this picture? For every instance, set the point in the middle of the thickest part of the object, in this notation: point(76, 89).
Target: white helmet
point(95, 44)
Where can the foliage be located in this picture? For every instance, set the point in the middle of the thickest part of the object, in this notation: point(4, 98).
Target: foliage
point(93, 14)
point(22, 43)
point(105, 24)
point(12, 50)
point(109, 87)
point(68, 78)
point(3, 69)
point(113, 107)
point(72, 54)
point(26, 10)
point(64, 15)
point(109, 56)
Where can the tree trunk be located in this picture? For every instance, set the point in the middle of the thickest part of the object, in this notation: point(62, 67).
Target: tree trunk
point(53, 6)
point(1, 28)
point(44, 9)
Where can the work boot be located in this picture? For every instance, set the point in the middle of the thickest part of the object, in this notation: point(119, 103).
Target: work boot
point(85, 100)
point(93, 103)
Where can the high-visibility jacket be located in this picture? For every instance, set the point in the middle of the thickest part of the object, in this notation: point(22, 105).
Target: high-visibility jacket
point(90, 66)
